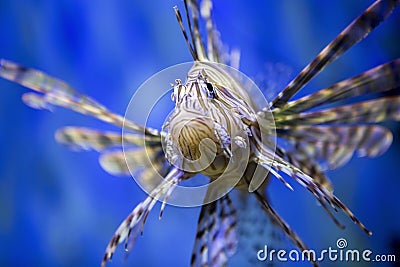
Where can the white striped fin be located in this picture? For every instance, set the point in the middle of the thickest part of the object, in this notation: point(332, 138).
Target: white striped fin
point(333, 146)
point(119, 162)
point(352, 34)
point(322, 194)
point(216, 238)
point(379, 79)
point(82, 138)
point(59, 93)
point(128, 229)
point(371, 111)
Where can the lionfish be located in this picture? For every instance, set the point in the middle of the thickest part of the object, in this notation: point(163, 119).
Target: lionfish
point(213, 104)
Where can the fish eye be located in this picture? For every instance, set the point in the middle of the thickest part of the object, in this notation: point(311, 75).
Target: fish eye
point(210, 88)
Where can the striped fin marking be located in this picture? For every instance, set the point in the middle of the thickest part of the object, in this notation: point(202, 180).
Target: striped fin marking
point(57, 92)
point(216, 237)
point(335, 145)
point(372, 111)
point(351, 35)
point(194, 12)
point(379, 79)
point(306, 163)
point(81, 138)
point(119, 162)
point(200, 52)
point(322, 194)
point(40, 81)
point(146, 174)
point(129, 228)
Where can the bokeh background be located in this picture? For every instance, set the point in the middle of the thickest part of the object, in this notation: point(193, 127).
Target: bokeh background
point(59, 208)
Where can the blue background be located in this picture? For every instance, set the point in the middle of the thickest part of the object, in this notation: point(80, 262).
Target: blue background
point(59, 208)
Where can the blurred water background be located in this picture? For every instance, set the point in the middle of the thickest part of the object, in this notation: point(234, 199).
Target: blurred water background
point(59, 208)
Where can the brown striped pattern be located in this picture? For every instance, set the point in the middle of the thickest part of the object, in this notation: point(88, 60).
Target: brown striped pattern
point(197, 116)
point(354, 33)
point(211, 50)
point(322, 194)
point(216, 237)
point(373, 111)
point(305, 162)
point(129, 228)
point(333, 146)
point(380, 79)
point(179, 18)
point(81, 138)
point(118, 162)
point(57, 92)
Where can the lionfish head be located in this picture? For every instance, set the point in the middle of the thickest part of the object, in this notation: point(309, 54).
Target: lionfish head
point(200, 129)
